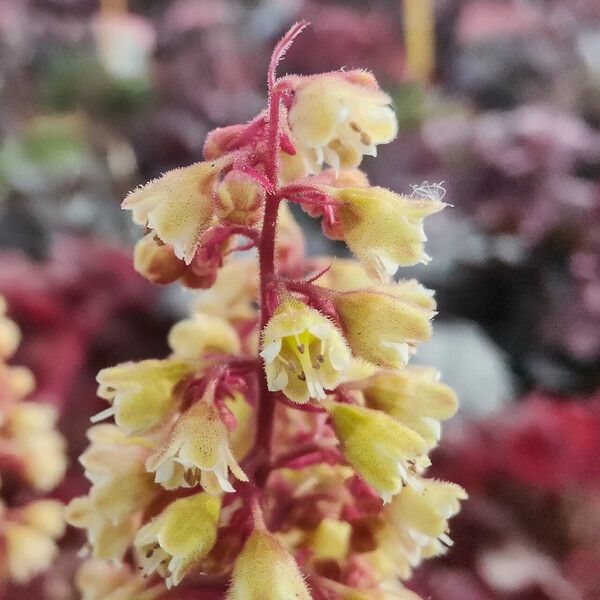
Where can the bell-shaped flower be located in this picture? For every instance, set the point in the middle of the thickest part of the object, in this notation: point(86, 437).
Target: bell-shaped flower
point(383, 451)
point(142, 394)
point(384, 230)
point(382, 325)
point(103, 580)
point(108, 540)
point(178, 207)
point(121, 490)
point(337, 118)
point(264, 570)
point(115, 464)
point(414, 396)
point(304, 352)
point(175, 541)
point(197, 450)
point(415, 527)
point(203, 334)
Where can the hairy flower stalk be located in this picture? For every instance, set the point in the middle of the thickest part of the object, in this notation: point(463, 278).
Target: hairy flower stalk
point(285, 426)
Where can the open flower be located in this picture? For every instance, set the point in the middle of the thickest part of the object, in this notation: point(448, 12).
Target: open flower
point(337, 118)
point(304, 352)
point(415, 527)
point(383, 229)
point(175, 541)
point(178, 206)
point(265, 571)
point(414, 396)
point(383, 324)
point(108, 540)
point(383, 451)
point(121, 490)
point(197, 450)
point(115, 464)
point(142, 393)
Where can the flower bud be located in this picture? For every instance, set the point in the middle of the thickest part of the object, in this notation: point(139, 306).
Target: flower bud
point(304, 352)
point(331, 540)
point(157, 261)
point(382, 451)
point(384, 230)
point(381, 326)
point(239, 199)
point(175, 541)
point(337, 118)
point(413, 396)
point(142, 394)
point(265, 571)
point(219, 140)
point(203, 334)
point(197, 451)
point(178, 206)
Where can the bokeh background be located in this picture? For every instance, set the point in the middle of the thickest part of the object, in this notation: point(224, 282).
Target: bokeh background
point(498, 99)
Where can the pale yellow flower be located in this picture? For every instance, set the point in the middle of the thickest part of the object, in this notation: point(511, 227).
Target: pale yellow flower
point(115, 464)
point(382, 325)
point(330, 540)
point(415, 397)
point(175, 541)
point(203, 334)
point(197, 450)
point(265, 571)
point(178, 206)
point(415, 527)
point(383, 451)
point(337, 118)
point(142, 394)
point(108, 540)
point(383, 229)
point(233, 294)
point(304, 352)
point(103, 580)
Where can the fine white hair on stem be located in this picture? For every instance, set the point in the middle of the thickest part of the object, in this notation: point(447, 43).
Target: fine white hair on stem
point(431, 191)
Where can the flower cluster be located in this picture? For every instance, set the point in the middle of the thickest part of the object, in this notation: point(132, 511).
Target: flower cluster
point(33, 455)
point(280, 450)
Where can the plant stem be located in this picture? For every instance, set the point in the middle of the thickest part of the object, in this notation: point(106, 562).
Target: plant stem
point(266, 266)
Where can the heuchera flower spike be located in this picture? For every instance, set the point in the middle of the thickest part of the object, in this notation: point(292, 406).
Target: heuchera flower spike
point(280, 451)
